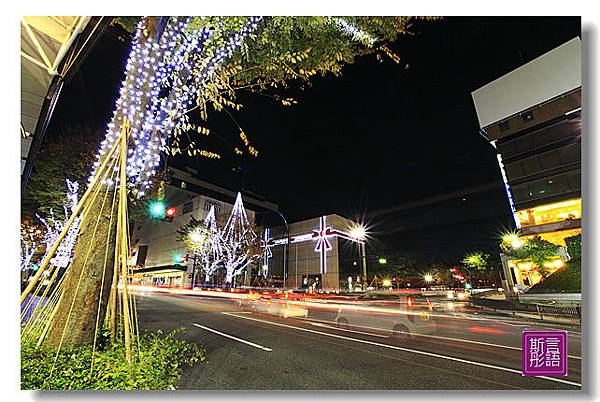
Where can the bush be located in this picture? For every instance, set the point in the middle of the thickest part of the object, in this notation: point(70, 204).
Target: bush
point(156, 367)
point(564, 280)
point(574, 246)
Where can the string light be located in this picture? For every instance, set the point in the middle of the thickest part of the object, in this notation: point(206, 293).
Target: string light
point(181, 63)
point(356, 33)
point(236, 241)
point(54, 227)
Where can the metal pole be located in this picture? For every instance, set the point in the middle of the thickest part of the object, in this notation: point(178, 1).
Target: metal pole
point(287, 248)
point(193, 271)
point(364, 264)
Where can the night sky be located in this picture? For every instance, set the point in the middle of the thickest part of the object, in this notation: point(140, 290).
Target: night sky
point(381, 136)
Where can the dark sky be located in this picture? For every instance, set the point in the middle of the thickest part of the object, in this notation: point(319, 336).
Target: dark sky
point(380, 136)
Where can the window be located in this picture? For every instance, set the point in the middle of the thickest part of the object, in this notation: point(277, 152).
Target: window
point(208, 205)
point(188, 207)
point(556, 212)
point(141, 257)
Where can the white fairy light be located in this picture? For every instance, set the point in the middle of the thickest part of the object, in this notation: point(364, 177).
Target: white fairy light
point(237, 238)
point(356, 33)
point(64, 253)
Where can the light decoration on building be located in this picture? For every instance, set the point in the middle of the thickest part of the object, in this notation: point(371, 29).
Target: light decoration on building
point(352, 30)
point(177, 62)
point(322, 236)
point(507, 187)
point(236, 241)
point(266, 244)
point(54, 227)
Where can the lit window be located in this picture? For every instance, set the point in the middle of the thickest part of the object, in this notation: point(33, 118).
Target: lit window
point(556, 212)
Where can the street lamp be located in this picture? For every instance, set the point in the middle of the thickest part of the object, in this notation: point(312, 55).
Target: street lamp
point(359, 232)
point(428, 278)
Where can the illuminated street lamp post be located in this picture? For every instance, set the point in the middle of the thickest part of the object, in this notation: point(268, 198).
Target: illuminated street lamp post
point(359, 232)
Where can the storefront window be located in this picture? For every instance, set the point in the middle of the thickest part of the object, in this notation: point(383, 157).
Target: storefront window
point(556, 212)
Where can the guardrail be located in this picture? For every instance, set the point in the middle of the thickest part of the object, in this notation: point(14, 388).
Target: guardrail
point(539, 309)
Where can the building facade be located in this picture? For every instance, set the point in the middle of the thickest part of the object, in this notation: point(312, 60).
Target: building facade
point(323, 252)
point(532, 116)
point(156, 254)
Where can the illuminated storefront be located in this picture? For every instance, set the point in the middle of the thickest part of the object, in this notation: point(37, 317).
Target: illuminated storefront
point(525, 273)
point(550, 213)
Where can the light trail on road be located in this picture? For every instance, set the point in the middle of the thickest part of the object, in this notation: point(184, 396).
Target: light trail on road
point(415, 351)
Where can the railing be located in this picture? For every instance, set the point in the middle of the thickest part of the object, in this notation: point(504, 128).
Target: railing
point(539, 309)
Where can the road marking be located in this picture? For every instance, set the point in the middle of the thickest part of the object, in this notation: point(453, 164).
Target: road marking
point(316, 324)
point(419, 352)
point(435, 337)
point(233, 337)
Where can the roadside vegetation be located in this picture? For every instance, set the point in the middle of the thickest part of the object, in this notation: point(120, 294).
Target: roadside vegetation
point(158, 364)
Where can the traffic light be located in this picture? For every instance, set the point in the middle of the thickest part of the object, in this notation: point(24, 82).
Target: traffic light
point(169, 214)
point(158, 210)
point(178, 259)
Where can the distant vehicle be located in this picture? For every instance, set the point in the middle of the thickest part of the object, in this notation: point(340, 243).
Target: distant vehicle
point(278, 307)
point(401, 314)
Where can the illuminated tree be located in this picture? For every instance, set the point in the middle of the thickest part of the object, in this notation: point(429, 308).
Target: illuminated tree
point(238, 242)
point(54, 226)
point(476, 262)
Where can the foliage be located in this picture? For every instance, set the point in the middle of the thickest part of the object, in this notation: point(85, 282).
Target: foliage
point(476, 260)
point(159, 366)
point(67, 154)
point(538, 251)
point(574, 246)
point(282, 51)
point(564, 280)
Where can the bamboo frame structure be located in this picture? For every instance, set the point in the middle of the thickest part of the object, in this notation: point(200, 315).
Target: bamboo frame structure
point(40, 310)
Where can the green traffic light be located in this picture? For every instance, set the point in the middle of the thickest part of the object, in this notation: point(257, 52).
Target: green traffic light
point(383, 260)
point(157, 209)
point(178, 259)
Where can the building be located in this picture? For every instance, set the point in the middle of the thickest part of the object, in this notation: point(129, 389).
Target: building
point(323, 253)
point(532, 116)
point(156, 254)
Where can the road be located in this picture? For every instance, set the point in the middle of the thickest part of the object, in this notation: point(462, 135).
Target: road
point(250, 351)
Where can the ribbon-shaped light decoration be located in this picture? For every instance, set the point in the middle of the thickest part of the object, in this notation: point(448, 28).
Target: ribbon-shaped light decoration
point(323, 244)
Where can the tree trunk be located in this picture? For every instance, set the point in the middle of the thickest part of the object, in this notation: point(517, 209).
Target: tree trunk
point(78, 322)
point(77, 313)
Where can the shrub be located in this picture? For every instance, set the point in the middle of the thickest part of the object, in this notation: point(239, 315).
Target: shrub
point(157, 366)
point(574, 246)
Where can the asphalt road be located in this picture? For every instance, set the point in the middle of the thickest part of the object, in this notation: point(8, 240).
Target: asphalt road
point(249, 351)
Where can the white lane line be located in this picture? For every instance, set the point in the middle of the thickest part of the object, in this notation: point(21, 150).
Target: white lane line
point(316, 324)
point(419, 352)
point(435, 337)
point(233, 337)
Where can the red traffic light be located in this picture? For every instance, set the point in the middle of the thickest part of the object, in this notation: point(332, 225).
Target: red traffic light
point(170, 212)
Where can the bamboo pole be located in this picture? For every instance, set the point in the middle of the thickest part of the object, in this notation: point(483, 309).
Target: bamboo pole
point(123, 241)
point(62, 234)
